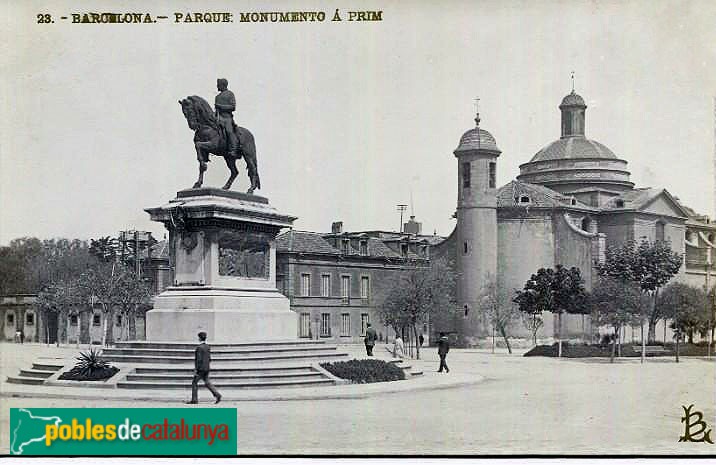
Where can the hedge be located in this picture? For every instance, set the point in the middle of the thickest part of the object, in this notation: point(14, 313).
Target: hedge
point(365, 371)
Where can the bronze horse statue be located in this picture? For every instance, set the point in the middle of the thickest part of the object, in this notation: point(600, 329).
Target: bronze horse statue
point(209, 138)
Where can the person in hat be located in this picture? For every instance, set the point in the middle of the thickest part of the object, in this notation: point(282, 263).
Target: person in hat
point(443, 349)
point(370, 337)
point(202, 361)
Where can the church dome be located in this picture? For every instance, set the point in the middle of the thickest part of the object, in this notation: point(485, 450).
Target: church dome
point(574, 163)
point(573, 148)
point(477, 139)
point(572, 100)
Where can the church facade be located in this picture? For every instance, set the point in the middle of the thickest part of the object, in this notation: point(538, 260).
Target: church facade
point(570, 201)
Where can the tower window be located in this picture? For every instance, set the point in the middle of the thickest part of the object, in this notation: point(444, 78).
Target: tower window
point(524, 199)
point(466, 175)
point(493, 175)
point(586, 223)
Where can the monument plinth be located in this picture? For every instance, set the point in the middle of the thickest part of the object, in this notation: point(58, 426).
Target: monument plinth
point(222, 246)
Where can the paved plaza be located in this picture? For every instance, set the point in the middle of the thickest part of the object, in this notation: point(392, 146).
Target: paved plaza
point(507, 404)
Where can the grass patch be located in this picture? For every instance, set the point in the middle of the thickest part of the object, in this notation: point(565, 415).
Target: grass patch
point(365, 371)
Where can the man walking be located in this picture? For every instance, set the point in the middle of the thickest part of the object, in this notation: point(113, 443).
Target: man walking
point(370, 337)
point(443, 349)
point(202, 360)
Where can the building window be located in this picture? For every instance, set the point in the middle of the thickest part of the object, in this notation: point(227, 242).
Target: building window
point(29, 319)
point(464, 248)
point(10, 319)
point(404, 249)
point(493, 175)
point(119, 320)
point(524, 199)
point(281, 284)
point(96, 319)
point(364, 320)
point(346, 288)
point(304, 325)
point(364, 287)
point(325, 285)
point(305, 285)
point(426, 251)
point(73, 320)
point(346, 244)
point(659, 231)
point(466, 175)
point(364, 248)
point(345, 324)
point(325, 325)
point(619, 203)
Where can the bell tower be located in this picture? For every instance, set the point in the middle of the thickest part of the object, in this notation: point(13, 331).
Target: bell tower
point(476, 214)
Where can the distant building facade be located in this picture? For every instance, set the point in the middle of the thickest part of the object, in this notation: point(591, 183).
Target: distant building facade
point(335, 281)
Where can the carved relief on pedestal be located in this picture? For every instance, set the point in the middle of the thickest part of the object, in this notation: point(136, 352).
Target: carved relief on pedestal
point(244, 254)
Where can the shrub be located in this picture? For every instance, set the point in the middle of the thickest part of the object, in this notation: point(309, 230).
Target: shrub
point(365, 371)
point(90, 367)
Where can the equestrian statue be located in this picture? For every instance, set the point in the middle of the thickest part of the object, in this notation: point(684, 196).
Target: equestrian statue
point(216, 133)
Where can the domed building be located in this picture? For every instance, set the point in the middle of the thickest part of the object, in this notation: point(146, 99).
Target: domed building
point(571, 201)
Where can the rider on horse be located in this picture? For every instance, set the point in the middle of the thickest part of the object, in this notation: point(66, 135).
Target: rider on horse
point(225, 105)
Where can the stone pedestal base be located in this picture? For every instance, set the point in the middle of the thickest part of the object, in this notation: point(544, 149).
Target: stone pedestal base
point(227, 316)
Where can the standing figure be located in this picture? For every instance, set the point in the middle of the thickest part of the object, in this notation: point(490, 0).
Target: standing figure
point(202, 361)
point(443, 349)
point(370, 337)
point(225, 105)
point(398, 347)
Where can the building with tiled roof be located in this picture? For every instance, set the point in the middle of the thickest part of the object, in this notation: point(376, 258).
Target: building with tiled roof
point(335, 281)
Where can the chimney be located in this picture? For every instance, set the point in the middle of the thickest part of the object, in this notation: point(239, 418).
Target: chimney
point(337, 227)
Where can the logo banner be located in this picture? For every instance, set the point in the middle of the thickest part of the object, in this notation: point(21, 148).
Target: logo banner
point(121, 431)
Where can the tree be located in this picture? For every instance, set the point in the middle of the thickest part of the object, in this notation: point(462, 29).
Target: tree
point(650, 264)
point(616, 303)
point(59, 298)
point(558, 291)
point(533, 322)
point(686, 306)
point(418, 293)
point(132, 296)
point(103, 283)
point(498, 309)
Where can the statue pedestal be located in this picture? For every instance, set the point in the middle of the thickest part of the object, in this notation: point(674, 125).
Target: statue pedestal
point(222, 247)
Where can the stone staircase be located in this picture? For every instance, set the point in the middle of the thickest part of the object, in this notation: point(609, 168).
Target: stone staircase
point(170, 365)
point(38, 374)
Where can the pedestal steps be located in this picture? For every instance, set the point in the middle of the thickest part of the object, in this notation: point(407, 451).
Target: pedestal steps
point(40, 371)
point(170, 365)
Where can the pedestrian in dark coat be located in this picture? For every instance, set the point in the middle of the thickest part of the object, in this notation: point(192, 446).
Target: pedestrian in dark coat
point(370, 337)
point(443, 349)
point(202, 362)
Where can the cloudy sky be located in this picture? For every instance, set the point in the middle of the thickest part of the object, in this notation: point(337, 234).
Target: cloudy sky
point(349, 117)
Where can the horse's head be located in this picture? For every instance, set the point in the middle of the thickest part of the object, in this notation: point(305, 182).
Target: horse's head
point(187, 107)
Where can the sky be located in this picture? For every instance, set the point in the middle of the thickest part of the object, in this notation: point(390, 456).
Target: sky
point(350, 118)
